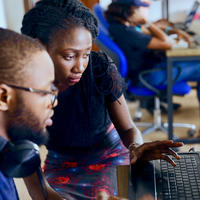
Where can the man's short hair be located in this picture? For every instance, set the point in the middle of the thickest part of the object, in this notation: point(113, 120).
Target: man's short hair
point(15, 52)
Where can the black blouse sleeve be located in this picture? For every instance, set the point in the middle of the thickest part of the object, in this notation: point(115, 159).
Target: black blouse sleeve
point(107, 78)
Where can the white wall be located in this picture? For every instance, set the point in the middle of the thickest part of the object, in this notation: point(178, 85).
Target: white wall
point(2, 15)
point(105, 3)
point(14, 11)
point(155, 11)
point(178, 9)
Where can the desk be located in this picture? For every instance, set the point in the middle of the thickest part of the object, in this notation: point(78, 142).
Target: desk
point(136, 182)
point(173, 56)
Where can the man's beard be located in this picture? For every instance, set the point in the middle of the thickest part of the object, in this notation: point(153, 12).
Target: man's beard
point(25, 126)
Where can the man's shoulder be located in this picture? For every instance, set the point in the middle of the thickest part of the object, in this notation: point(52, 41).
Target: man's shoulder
point(7, 188)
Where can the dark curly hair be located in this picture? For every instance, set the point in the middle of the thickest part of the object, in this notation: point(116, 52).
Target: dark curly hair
point(49, 16)
point(116, 11)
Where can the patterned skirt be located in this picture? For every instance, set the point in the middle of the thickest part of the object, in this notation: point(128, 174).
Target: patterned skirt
point(80, 174)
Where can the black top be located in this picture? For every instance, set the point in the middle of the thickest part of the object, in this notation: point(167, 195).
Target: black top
point(81, 117)
point(134, 45)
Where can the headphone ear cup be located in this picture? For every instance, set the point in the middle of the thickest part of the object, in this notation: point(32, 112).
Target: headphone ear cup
point(21, 159)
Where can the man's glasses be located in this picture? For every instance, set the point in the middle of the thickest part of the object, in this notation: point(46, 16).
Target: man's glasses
point(53, 93)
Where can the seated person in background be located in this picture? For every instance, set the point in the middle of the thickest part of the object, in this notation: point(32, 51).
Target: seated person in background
point(24, 112)
point(84, 147)
point(146, 49)
point(165, 25)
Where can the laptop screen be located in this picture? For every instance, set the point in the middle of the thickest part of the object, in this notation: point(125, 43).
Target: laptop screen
point(191, 14)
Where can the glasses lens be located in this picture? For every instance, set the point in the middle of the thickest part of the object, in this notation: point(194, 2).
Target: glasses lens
point(54, 89)
point(54, 94)
point(53, 99)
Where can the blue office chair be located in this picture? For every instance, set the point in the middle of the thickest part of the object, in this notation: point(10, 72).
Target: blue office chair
point(99, 13)
point(106, 44)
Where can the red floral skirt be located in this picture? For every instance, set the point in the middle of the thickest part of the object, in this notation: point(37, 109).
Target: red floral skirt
point(80, 174)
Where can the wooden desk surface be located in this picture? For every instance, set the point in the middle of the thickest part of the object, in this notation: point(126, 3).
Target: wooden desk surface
point(183, 52)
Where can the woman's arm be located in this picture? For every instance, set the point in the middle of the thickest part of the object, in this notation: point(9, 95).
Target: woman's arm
point(181, 34)
point(159, 39)
point(131, 137)
point(157, 32)
point(157, 44)
point(122, 121)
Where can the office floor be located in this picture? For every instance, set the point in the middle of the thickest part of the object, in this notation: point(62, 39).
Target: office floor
point(188, 113)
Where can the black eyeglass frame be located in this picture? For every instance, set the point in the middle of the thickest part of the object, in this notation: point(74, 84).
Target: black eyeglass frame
point(53, 94)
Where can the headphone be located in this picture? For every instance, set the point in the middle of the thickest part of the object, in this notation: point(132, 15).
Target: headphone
point(20, 159)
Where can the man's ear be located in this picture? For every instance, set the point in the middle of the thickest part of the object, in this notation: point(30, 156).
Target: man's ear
point(6, 94)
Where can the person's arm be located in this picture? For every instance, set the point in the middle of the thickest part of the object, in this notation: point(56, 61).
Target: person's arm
point(180, 33)
point(157, 44)
point(104, 196)
point(122, 121)
point(35, 191)
point(159, 39)
point(168, 28)
point(157, 32)
point(131, 136)
point(163, 23)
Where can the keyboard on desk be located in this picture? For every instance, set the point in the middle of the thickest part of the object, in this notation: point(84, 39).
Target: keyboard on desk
point(180, 182)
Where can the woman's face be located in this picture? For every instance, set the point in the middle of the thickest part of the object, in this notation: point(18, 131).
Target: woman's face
point(70, 52)
point(137, 17)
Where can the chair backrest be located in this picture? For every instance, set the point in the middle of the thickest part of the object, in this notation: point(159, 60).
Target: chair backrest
point(107, 45)
point(99, 13)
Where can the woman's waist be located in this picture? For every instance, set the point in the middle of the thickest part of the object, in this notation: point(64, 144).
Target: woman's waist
point(105, 140)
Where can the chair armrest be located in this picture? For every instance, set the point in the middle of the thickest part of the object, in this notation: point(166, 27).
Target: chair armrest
point(151, 87)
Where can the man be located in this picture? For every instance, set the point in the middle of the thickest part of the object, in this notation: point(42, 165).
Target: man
point(27, 96)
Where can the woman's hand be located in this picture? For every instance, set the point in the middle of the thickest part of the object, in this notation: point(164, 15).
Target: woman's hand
point(183, 35)
point(104, 196)
point(154, 150)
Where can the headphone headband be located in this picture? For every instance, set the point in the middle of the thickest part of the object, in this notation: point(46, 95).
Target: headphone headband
point(20, 159)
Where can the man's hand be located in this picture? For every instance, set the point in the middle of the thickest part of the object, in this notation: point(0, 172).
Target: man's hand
point(154, 150)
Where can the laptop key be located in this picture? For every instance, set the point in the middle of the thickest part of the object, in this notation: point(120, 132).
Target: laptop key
point(183, 181)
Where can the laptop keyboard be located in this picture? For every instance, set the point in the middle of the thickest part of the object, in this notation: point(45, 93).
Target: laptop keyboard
point(181, 182)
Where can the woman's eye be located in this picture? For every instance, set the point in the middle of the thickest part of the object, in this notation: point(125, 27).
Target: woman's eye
point(86, 55)
point(69, 57)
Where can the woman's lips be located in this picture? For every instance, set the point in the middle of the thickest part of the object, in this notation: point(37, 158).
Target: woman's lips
point(74, 80)
point(62, 85)
point(49, 122)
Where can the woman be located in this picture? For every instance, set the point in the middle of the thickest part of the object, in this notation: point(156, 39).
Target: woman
point(84, 147)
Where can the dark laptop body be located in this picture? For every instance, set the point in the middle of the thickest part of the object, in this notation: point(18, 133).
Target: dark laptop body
point(162, 181)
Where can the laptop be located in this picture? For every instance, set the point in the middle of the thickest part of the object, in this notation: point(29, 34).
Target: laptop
point(186, 24)
point(162, 181)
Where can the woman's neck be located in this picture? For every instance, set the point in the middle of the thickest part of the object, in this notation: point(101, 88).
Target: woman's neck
point(124, 22)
